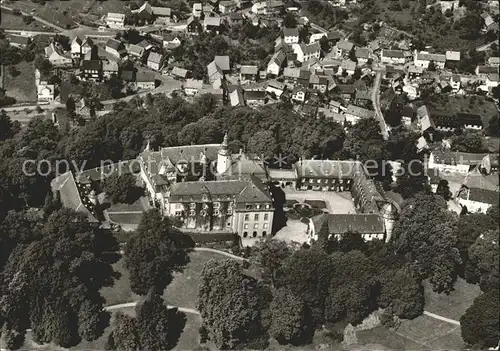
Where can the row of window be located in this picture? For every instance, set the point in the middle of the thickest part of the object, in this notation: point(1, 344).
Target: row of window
point(256, 226)
point(256, 217)
point(258, 206)
point(254, 234)
point(348, 181)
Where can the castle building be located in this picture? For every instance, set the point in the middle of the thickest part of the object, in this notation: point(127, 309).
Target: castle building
point(209, 189)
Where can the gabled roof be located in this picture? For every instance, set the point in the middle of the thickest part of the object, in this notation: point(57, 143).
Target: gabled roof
point(161, 11)
point(91, 65)
point(179, 72)
point(255, 95)
point(339, 224)
point(484, 196)
point(236, 98)
point(213, 69)
point(457, 158)
point(345, 45)
point(223, 62)
point(135, 49)
point(110, 66)
point(212, 21)
point(335, 35)
point(423, 56)
point(114, 44)
point(362, 53)
point(194, 84)
point(310, 48)
point(348, 65)
point(154, 57)
point(249, 70)
point(328, 169)
point(145, 76)
point(278, 58)
point(393, 53)
point(452, 55)
point(359, 112)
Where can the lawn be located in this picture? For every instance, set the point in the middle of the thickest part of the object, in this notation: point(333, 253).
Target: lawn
point(21, 87)
point(60, 13)
point(10, 21)
point(449, 105)
point(453, 305)
point(101, 8)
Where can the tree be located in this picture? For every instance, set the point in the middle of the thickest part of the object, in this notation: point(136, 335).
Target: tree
point(484, 257)
point(443, 189)
point(480, 324)
point(401, 144)
point(263, 143)
point(291, 319)
point(230, 304)
point(70, 105)
point(6, 126)
point(121, 188)
point(289, 20)
point(307, 274)
point(432, 66)
point(154, 253)
point(271, 253)
point(124, 334)
point(158, 327)
point(43, 65)
point(402, 292)
point(425, 233)
point(52, 282)
point(13, 71)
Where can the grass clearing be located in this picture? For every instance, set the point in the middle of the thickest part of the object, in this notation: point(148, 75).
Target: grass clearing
point(453, 305)
point(101, 8)
point(21, 87)
point(11, 21)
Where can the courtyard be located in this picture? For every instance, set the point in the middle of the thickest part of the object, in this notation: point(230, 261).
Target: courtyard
point(336, 202)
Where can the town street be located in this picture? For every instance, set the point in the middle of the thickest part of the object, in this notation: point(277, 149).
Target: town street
point(376, 104)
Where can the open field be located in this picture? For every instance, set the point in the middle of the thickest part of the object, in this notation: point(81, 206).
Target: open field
point(60, 13)
point(10, 21)
point(101, 8)
point(21, 87)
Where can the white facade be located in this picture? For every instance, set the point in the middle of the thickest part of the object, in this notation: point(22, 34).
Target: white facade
point(197, 9)
point(474, 206)
point(273, 68)
point(45, 93)
point(271, 89)
point(442, 167)
point(388, 58)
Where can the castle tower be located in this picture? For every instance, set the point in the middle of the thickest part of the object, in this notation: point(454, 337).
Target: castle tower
point(223, 157)
point(388, 213)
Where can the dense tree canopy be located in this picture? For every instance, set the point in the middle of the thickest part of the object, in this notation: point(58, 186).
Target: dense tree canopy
point(480, 324)
point(468, 141)
point(230, 304)
point(155, 251)
point(484, 259)
point(271, 253)
point(424, 232)
point(122, 188)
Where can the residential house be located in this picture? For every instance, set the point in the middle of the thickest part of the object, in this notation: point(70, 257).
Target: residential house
point(334, 36)
point(136, 51)
point(224, 63)
point(255, 97)
point(109, 67)
point(259, 8)
point(318, 82)
point(115, 20)
point(346, 91)
point(347, 66)
point(197, 9)
point(145, 80)
point(423, 59)
point(262, 75)
point(91, 70)
point(424, 120)
point(208, 10)
point(477, 200)
point(227, 6)
point(236, 98)
point(316, 37)
point(492, 80)
point(163, 15)
point(249, 73)
point(363, 97)
point(114, 47)
point(489, 23)
point(335, 106)
point(19, 41)
point(354, 113)
point(76, 47)
point(145, 44)
point(299, 94)
point(411, 91)
point(421, 144)
point(45, 93)
point(276, 63)
point(55, 55)
point(342, 49)
point(170, 40)
point(193, 25)
point(274, 7)
point(362, 55)
point(296, 76)
point(128, 74)
point(394, 57)
point(494, 61)
point(306, 51)
point(179, 73)
point(484, 71)
point(155, 61)
point(291, 35)
point(212, 24)
point(407, 115)
point(236, 18)
point(214, 72)
point(415, 71)
point(455, 83)
point(192, 87)
point(275, 88)
point(144, 13)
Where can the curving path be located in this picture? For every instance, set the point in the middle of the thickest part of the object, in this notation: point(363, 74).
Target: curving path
point(376, 105)
point(223, 253)
point(441, 318)
point(133, 304)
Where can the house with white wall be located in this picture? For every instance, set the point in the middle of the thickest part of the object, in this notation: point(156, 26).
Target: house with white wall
point(115, 20)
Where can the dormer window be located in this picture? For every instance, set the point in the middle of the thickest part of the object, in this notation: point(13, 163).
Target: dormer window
point(204, 197)
point(257, 207)
point(248, 207)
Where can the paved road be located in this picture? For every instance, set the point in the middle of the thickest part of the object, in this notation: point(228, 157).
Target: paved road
point(133, 304)
point(441, 318)
point(28, 32)
point(376, 105)
point(318, 28)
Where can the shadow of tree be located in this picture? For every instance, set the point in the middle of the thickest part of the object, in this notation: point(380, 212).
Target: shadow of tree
point(177, 322)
